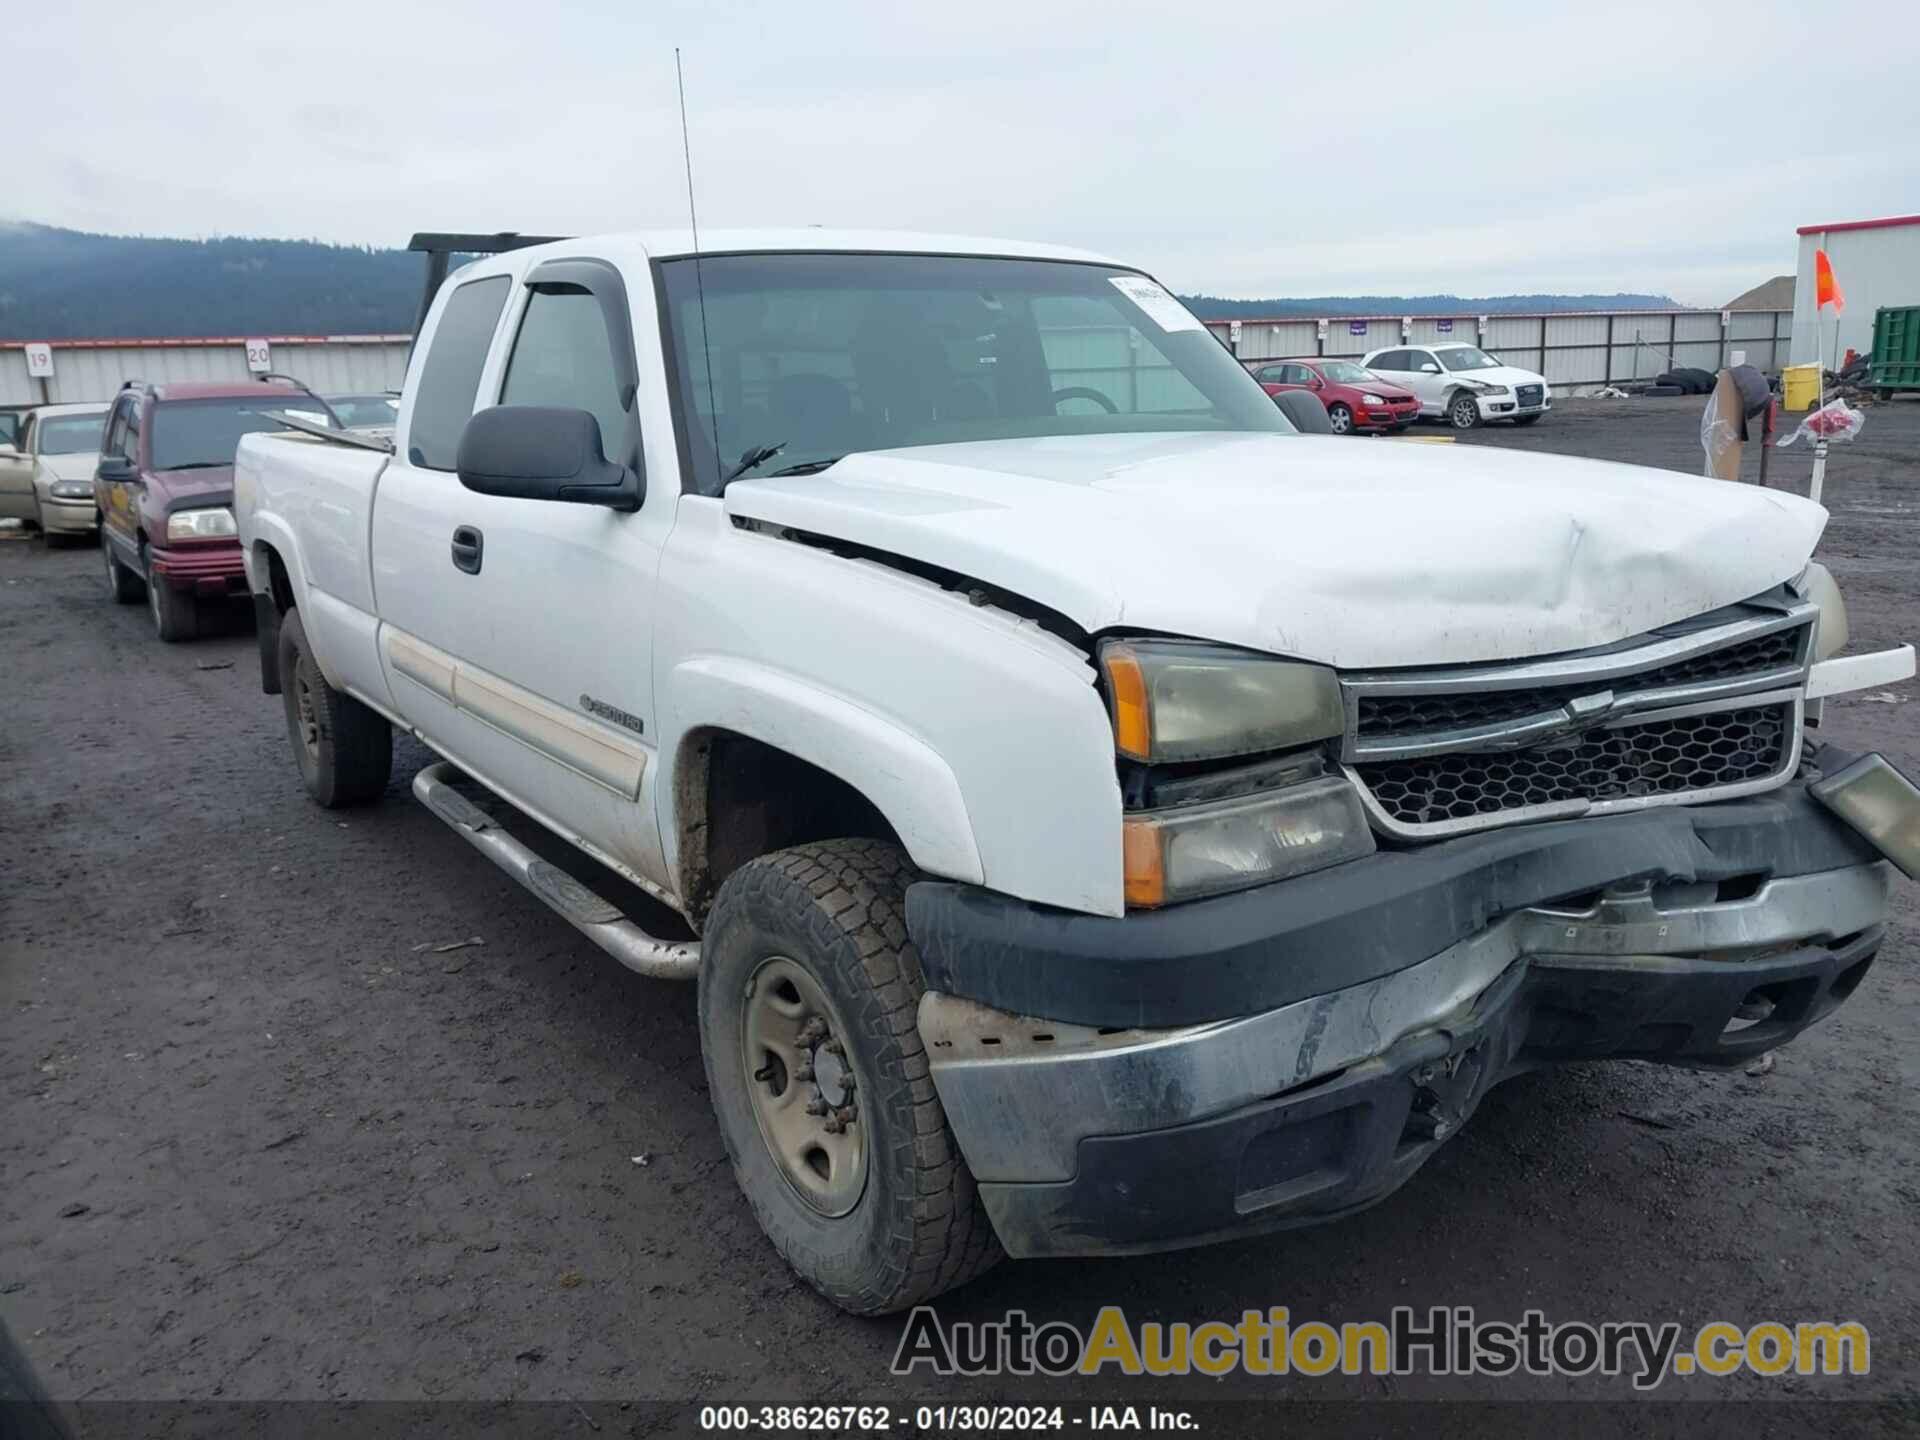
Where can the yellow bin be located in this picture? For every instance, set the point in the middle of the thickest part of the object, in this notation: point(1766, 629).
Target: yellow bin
point(1800, 387)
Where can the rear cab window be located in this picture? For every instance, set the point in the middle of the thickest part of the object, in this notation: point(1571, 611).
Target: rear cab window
point(449, 381)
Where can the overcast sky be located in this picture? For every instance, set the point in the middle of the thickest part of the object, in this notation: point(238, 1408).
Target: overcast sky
point(1358, 146)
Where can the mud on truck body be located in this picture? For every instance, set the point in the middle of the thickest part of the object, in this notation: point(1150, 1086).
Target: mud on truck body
point(1108, 819)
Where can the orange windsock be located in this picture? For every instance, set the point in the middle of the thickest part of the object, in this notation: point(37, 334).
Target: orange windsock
point(1826, 290)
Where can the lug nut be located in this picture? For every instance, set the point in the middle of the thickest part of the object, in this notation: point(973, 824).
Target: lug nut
point(803, 1071)
point(845, 1114)
point(834, 1047)
point(813, 1030)
point(834, 1127)
point(816, 1106)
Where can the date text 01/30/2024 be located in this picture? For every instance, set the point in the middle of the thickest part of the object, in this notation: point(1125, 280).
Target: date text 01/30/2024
point(879, 1419)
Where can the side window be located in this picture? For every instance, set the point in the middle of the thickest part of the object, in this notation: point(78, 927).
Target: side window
point(450, 378)
point(1299, 375)
point(135, 410)
point(116, 441)
point(23, 442)
point(563, 356)
point(1390, 360)
point(1419, 359)
point(1271, 374)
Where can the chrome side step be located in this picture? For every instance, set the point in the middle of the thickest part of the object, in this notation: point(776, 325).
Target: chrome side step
point(594, 917)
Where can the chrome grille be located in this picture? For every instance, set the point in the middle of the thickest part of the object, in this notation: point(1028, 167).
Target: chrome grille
point(1633, 761)
point(1712, 709)
point(1393, 715)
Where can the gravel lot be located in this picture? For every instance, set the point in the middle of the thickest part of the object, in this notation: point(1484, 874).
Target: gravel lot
point(257, 1142)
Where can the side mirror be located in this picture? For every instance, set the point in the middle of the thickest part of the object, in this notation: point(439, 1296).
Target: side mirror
point(1429, 368)
point(543, 452)
point(113, 468)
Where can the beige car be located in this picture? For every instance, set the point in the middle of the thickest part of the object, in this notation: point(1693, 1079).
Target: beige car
point(46, 475)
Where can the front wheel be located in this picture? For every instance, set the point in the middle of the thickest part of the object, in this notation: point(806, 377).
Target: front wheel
point(1463, 412)
point(176, 614)
point(1340, 418)
point(1526, 419)
point(123, 585)
point(809, 984)
point(343, 749)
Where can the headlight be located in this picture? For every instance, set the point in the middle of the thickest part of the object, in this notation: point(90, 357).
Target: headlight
point(1194, 850)
point(1481, 387)
point(1830, 626)
point(1372, 400)
point(1179, 700)
point(70, 489)
point(200, 524)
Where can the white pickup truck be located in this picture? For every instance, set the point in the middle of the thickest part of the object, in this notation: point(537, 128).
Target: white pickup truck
point(1108, 818)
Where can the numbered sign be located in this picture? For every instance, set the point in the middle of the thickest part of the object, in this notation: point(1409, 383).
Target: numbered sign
point(259, 357)
point(1320, 329)
point(39, 360)
point(1233, 331)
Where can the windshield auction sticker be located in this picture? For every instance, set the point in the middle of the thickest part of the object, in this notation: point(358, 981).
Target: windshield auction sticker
point(1165, 311)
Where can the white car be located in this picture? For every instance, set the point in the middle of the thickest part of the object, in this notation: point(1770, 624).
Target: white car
point(46, 475)
point(1462, 384)
point(1100, 817)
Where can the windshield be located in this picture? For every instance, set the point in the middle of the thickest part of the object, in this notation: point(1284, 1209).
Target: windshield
point(71, 434)
point(1465, 357)
point(1345, 372)
point(198, 434)
point(822, 354)
point(361, 410)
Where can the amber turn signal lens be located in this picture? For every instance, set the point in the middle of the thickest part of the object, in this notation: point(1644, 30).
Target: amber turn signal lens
point(1145, 864)
point(1132, 726)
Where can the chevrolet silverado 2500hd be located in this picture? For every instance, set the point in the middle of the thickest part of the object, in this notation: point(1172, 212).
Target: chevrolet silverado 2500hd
point(1109, 819)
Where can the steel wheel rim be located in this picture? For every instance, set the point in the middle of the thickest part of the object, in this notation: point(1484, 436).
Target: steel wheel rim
point(801, 1087)
point(308, 712)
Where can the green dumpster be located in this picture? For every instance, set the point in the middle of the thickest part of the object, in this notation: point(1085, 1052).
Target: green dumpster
point(1896, 349)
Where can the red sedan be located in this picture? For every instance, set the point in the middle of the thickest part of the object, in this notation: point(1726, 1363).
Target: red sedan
point(1356, 398)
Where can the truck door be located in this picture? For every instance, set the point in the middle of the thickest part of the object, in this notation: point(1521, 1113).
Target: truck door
point(16, 475)
point(517, 634)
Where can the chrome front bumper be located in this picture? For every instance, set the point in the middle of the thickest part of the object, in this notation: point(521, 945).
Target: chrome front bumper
point(1023, 1096)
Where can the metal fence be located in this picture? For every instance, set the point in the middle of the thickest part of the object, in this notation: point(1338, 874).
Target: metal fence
point(1575, 350)
point(86, 370)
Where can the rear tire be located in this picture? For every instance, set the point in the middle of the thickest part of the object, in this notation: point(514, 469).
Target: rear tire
point(123, 585)
point(1463, 411)
point(1340, 418)
point(819, 932)
point(176, 615)
point(344, 751)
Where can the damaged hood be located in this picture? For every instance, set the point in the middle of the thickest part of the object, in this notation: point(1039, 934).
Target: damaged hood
point(1353, 553)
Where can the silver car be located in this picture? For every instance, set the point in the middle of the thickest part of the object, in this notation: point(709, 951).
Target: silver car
point(46, 475)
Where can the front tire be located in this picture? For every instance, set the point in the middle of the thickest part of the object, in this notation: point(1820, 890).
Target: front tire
point(1463, 412)
point(343, 749)
point(176, 615)
point(123, 585)
point(807, 950)
point(1340, 418)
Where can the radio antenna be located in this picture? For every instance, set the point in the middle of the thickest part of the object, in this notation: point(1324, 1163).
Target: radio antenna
point(699, 278)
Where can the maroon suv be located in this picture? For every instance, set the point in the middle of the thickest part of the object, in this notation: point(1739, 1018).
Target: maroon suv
point(1356, 398)
point(164, 488)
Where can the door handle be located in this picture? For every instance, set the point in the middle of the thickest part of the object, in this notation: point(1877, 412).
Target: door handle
point(468, 543)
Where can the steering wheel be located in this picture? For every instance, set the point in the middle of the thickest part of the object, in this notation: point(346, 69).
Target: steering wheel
point(1081, 392)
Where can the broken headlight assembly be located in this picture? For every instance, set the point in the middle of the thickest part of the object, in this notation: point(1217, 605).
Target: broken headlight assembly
point(1204, 830)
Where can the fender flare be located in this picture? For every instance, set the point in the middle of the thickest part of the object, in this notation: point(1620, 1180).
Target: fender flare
point(903, 777)
point(269, 532)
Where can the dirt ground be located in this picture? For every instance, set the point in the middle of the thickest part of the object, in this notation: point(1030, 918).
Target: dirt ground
point(257, 1143)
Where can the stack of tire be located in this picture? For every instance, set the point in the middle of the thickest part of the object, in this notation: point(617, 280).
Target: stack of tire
point(1683, 381)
